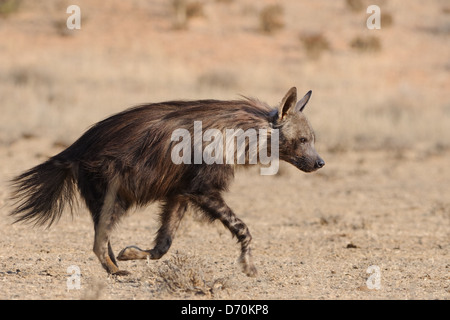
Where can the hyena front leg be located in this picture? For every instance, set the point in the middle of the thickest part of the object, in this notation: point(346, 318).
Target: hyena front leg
point(171, 215)
point(216, 208)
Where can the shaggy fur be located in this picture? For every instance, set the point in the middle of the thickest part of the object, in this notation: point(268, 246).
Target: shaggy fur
point(125, 161)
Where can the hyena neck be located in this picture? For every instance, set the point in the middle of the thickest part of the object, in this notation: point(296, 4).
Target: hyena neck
point(273, 116)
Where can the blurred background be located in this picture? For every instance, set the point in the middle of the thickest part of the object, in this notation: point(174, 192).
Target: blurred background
point(372, 89)
point(380, 108)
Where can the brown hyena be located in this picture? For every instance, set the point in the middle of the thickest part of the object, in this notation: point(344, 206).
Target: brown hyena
point(125, 161)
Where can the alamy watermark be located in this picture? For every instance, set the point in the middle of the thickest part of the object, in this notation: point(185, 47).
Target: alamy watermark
point(74, 278)
point(229, 149)
point(374, 280)
point(374, 20)
point(74, 20)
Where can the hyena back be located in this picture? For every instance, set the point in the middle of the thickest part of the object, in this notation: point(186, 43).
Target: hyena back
point(124, 161)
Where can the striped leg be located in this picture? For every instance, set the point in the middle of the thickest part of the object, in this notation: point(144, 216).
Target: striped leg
point(216, 208)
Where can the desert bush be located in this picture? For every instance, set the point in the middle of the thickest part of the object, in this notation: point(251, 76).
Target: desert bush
point(184, 10)
point(194, 9)
point(25, 76)
point(315, 44)
point(366, 44)
point(182, 274)
point(354, 5)
point(386, 19)
point(8, 7)
point(271, 18)
point(218, 79)
point(60, 27)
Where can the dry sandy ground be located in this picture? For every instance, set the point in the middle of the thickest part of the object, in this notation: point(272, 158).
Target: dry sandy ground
point(382, 119)
point(315, 236)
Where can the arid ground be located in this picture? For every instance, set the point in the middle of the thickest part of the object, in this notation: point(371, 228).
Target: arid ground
point(374, 223)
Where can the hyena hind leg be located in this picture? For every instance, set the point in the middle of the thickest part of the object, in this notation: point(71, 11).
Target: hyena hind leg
point(216, 208)
point(171, 215)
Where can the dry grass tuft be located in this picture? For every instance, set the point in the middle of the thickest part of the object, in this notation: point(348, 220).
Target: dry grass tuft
point(271, 19)
point(387, 19)
point(366, 44)
point(184, 10)
point(182, 274)
point(218, 79)
point(8, 7)
point(315, 44)
point(354, 5)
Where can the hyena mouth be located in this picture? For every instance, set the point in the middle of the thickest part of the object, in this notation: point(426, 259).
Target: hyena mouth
point(304, 164)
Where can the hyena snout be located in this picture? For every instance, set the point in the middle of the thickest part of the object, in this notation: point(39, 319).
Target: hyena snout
point(312, 163)
point(319, 163)
point(308, 163)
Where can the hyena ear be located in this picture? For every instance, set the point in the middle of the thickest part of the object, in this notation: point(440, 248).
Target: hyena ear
point(287, 103)
point(302, 103)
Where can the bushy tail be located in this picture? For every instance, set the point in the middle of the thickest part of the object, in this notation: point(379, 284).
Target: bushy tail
point(41, 193)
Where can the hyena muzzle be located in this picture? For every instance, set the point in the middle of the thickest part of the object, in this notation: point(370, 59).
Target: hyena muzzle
point(124, 161)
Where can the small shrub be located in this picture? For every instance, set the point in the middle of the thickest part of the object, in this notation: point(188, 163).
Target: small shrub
point(386, 19)
point(195, 9)
point(8, 7)
point(184, 10)
point(354, 5)
point(366, 44)
point(218, 79)
point(24, 76)
point(60, 27)
point(271, 18)
point(315, 44)
point(182, 274)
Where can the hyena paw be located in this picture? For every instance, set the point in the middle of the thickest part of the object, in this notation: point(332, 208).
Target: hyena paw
point(247, 266)
point(121, 273)
point(250, 270)
point(132, 253)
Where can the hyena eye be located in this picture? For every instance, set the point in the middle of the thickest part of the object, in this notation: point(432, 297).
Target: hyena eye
point(303, 140)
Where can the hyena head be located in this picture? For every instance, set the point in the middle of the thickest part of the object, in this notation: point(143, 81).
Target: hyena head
point(296, 136)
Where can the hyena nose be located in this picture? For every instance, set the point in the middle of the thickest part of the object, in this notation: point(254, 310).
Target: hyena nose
point(319, 163)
